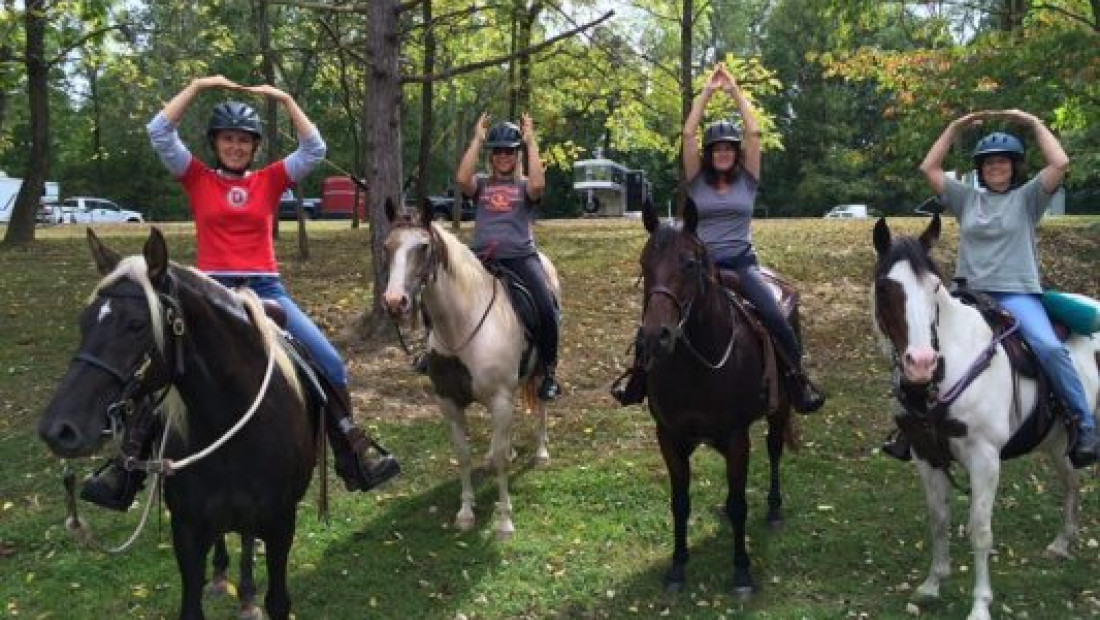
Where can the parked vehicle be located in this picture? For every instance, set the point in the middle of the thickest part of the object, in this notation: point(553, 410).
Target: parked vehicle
point(9, 189)
point(338, 194)
point(848, 212)
point(442, 207)
point(91, 210)
point(288, 206)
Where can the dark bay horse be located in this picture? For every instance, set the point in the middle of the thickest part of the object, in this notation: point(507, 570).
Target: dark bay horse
point(152, 325)
point(705, 382)
point(972, 409)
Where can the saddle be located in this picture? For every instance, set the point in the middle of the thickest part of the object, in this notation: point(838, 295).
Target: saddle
point(309, 372)
point(523, 303)
point(788, 307)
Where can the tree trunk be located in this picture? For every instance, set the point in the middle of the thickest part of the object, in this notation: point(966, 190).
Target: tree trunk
point(686, 26)
point(21, 226)
point(523, 85)
point(382, 142)
point(426, 120)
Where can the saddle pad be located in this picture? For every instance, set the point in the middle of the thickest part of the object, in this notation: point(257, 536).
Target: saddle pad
point(1079, 313)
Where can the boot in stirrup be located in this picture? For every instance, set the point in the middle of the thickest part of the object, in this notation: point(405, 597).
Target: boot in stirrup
point(897, 445)
point(1086, 450)
point(114, 486)
point(359, 471)
point(805, 397)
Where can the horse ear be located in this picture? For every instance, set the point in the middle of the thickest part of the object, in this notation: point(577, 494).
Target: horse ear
point(649, 215)
point(881, 236)
point(931, 234)
point(156, 256)
point(391, 210)
point(691, 215)
point(106, 259)
point(426, 213)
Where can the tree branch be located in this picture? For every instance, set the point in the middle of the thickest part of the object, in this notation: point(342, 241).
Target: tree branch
point(1093, 25)
point(317, 6)
point(442, 75)
point(62, 53)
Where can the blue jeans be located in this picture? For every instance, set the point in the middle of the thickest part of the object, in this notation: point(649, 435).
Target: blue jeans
point(1053, 356)
point(297, 323)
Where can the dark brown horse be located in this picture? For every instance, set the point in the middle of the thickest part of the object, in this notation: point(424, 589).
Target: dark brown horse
point(705, 382)
point(152, 326)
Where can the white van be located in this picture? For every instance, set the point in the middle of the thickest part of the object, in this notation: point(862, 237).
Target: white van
point(857, 212)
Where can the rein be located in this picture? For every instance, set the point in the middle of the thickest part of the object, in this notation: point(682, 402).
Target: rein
point(679, 333)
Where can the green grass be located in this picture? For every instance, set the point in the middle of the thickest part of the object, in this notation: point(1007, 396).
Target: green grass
point(593, 533)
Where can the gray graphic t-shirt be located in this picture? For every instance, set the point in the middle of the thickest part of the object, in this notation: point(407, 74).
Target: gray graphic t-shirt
point(724, 218)
point(502, 226)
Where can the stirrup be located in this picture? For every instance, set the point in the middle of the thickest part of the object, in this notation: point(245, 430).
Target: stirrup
point(549, 390)
point(897, 446)
point(112, 486)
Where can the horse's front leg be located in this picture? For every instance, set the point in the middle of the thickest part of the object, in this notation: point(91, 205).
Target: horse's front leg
point(777, 429)
point(1062, 544)
point(677, 457)
point(939, 520)
point(983, 462)
point(277, 542)
point(737, 466)
point(246, 593)
point(502, 411)
point(191, 544)
point(456, 421)
point(219, 581)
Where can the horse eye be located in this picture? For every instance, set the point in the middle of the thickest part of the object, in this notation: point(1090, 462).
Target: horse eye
point(135, 325)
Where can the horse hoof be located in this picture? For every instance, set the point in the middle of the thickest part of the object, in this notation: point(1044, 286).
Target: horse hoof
point(252, 612)
point(924, 598)
point(674, 587)
point(776, 523)
point(464, 524)
point(1053, 552)
point(744, 592)
point(218, 587)
point(542, 461)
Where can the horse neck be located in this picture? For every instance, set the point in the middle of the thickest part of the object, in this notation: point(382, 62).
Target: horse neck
point(963, 333)
point(457, 296)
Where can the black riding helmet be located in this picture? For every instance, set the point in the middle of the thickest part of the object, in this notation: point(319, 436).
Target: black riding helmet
point(721, 131)
point(504, 136)
point(235, 115)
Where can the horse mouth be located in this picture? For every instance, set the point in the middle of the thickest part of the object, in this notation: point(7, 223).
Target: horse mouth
point(68, 440)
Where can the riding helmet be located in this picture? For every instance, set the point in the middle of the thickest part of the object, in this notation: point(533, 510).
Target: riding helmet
point(721, 131)
point(504, 136)
point(999, 143)
point(235, 115)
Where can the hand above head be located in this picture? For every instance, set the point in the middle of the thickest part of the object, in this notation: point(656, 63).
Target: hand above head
point(730, 85)
point(1019, 116)
point(482, 127)
point(528, 127)
point(973, 119)
point(716, 81)
point(266, 90)
point(215, 81)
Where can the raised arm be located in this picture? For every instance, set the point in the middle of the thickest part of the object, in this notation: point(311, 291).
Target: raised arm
point(690, 150)
point(932, 166)
point(1055, 160)
point(750, 140)
point(465, 175)
point(536, 177)
point(174, 109)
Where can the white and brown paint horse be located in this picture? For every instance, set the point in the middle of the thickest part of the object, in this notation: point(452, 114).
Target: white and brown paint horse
point(476, 346)
point(935, 338)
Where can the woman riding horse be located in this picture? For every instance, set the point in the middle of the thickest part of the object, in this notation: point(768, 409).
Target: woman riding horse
point(506, 201)
point(998, 249)
point(723, 185)
point(234, 210)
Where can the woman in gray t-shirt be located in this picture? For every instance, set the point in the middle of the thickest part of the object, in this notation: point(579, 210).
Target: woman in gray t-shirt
point(722, 182)
point(998, 253)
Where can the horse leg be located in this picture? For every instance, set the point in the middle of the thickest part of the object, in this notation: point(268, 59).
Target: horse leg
point(542, 450)
point(1071, 504)
point(246, 593)
point(219, 581)
point(983, 462)
point(502, 413)
point(677, 457)
point(456, 420)
point(191, 545)
point(939, 517)
point(277, 544)
point(777, 426)
point(737, 465)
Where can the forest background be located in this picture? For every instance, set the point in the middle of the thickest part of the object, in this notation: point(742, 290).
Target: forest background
point(852, 92)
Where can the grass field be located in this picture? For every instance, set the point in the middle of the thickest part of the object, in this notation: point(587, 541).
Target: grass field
point(593, 529)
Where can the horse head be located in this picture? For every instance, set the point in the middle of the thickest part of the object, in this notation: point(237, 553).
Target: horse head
point(412, 255)
point(908, 287)
point(121, 355)
point(675, 273)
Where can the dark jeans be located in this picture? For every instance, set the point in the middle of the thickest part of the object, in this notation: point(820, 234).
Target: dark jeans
point(759, 295)
point(530, 271)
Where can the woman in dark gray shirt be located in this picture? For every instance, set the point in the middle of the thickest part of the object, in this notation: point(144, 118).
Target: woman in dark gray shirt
point(722, 182)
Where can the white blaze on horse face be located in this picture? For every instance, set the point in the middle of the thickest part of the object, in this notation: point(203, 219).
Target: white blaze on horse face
point(104, 311)
point(918, 361)
point(396, 296)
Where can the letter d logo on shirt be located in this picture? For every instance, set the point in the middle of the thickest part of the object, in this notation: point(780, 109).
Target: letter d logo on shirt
point(236, 197)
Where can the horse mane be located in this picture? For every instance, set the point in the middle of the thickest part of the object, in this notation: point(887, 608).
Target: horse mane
point(906, 248)
point(460, 262)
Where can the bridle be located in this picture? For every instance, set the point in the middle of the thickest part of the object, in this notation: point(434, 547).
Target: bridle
point(683, 310)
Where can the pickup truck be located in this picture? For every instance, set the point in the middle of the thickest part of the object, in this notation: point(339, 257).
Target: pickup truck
point(442, 206)
point(88, 210)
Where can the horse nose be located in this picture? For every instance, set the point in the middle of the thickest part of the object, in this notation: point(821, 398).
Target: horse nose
point(397, 303)
point(665, 340)
point(62, 437)
point(918, 364)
